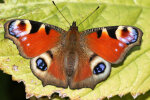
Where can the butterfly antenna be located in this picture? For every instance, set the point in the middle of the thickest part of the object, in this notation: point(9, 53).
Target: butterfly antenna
point(89, 15)
point(60, 12)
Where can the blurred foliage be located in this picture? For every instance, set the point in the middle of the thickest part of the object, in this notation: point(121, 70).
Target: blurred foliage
point(10, 90)
point(1, 1)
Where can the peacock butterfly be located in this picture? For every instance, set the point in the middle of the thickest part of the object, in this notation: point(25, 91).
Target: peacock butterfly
point(71, 58)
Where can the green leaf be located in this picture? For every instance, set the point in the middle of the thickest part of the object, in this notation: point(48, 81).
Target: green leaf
point(131, 76)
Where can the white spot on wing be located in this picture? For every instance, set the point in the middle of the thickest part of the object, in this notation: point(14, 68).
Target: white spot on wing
point(116, 50)
point(121, 45)
point(123, 40)
point(24, 38)
point(129, 38)
point(28, 44)
point(21, 33)
point(104, 30)
point(42, 26)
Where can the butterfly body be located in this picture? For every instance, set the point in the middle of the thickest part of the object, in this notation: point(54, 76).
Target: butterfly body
point(71, 58)
point(71, 48)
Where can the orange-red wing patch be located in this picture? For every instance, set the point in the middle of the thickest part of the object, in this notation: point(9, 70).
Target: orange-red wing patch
point(57, 70)
point(37, 43)
point(106, 47)
point(83, 71)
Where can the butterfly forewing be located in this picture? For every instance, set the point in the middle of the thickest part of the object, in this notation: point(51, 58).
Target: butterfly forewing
point(112, 43)
point(32, 38)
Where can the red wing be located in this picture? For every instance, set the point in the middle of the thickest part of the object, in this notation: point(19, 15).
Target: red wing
point(49, 68)
point(32, 38)
point(91, 70)
point(36, 40)
point(83, 71)
point(112, 43)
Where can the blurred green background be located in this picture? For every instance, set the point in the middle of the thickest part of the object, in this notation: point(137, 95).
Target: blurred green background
point(11, 90)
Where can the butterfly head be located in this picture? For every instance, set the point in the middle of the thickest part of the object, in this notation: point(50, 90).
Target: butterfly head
point(73, 26)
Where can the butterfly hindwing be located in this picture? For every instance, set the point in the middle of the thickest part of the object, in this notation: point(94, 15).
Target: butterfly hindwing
point(49, 68)
point(112, 43)
point(91, 70)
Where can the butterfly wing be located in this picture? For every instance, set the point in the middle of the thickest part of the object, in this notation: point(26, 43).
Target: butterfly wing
point(49, 68)
point(89, 60)
point(36, 40)
point(101, 47)
point(32, 38)
point(112, 43)
point(91, 70)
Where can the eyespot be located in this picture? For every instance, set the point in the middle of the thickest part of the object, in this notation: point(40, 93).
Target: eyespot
point(127, 35)
point(99, 68)
point(19, 28)
point(41, 64)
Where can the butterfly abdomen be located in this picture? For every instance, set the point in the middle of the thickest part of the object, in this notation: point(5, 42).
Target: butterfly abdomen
point(71, 49)
point(71, 61)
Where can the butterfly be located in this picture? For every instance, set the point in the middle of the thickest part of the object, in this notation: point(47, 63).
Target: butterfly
point(71, 58)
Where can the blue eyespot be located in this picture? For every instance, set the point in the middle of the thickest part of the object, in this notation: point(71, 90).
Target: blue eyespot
point(41, 64)
point(99, 68)
point(135, 35)
point(11, 27)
